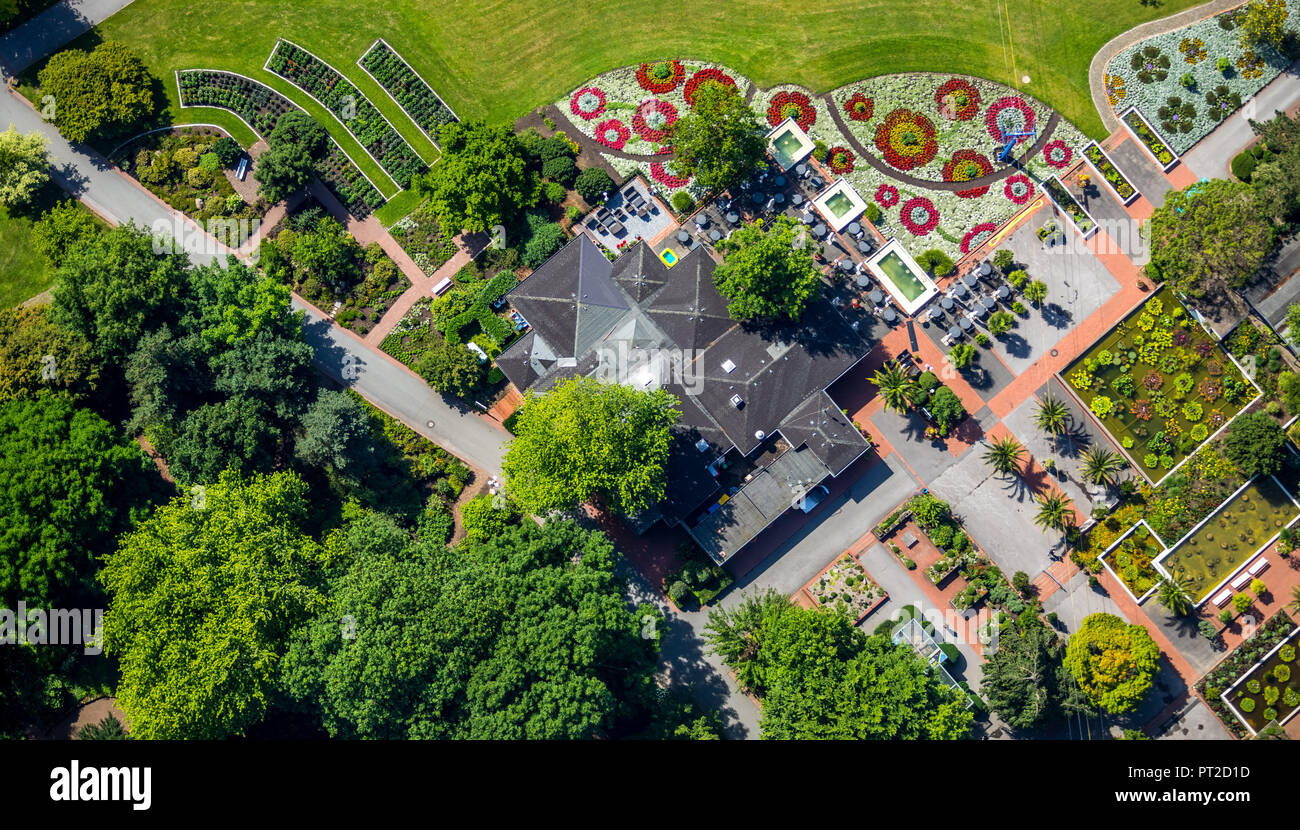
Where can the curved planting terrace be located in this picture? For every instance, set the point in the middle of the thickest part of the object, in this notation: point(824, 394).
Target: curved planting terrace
point(407, 89)
point(1159, 384)
point(907, 143)
point(260, 107)
point(352, 108)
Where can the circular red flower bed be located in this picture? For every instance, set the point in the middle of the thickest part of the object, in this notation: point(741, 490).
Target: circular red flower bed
point(1019, 189)
point(859, 107)
point(886, 195)
point(587, 103)
point(906, 139)
point(964, 166)
point(661, 76)
point(958, 99)
point(653, 118)
point(1058, 154)
point(840, 160)
point(705, 76)
point(661, 174)
point(919, 216)
point(977, 236)
point(612, 134)
point(794, 105)
point(1009, 114)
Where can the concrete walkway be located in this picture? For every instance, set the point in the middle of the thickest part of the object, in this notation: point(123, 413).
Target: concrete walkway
point(52, 28)
point(1211, 156)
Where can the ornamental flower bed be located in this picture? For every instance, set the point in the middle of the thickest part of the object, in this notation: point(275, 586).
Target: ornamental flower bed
point(356, 112)
point(1270, 691)
point(1130, 559)
point(1148, 73)
point(1126, 192)
point(1148, 138)
point(1159, 384)
point(1267, 637)
point(260, 107)
point(846, 584)
point(1067, 203)
point(405, 86)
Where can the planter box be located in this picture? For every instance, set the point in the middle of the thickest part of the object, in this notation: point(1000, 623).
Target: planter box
point(1106, 168)
point(1060, 195)
point(1150, 138)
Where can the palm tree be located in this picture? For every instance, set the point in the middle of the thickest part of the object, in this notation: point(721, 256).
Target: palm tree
point(895, 386)
point(1053, 512)
point(1295, 599)
point(1052, 417)
point(1173, 596)
point(1101, 466)
point(1004, 455)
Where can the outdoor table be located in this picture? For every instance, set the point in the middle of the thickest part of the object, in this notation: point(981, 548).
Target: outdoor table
point(985, 269)
point(733, 218)
point(988, 302)
point(807, 219)
point(855, 228)
point(889, 316)
point(801, 169)
point(971, 280)
point(877, 296)
point(965, 323)
point(714, 235)
point(954, 332)
point(702, 221)
point(796, 199)
point(947, 303)
point(683, 236)
point(1004, 292)
point(863, 281)
point(820, 230)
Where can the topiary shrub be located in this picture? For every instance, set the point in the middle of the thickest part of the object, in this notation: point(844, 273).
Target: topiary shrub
point(678, 592)
point(682, 202)
point(1246, 704)
point(227, 151)
point(1243, 165)
point(1282, 674)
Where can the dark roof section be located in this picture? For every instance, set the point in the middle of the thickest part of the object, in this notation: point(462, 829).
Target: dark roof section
point(826, 430)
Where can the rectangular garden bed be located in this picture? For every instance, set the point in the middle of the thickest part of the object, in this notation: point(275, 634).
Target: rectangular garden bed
point(1241, 662)
point(846, 583)
point(353, 109)
point(1270, 690)
point(1124, 189)
point(1214, 551)
point(1159, 384)
point(407, 89)
point(1147, 136)
point(1131, 559)
point(1070, 206)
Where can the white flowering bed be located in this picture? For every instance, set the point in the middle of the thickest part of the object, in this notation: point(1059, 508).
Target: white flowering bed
point(1193, 50)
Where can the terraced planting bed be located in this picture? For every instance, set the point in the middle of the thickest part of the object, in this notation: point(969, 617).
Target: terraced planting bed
point(353, 109)
point(1069, 205)
point(1131, 559)
point(1270, 691)
point(846, 584)
point(1159, 384)
point(1126, 192)
point(1230, 537)
point(1150, 139)
point(404, 85)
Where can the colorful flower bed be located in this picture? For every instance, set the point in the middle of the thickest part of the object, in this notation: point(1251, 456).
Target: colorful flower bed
point(405, 86)
point(1147, 136)
point(840, 160)
point(1131, 560)
point(1267, 637)
point(366, 123)
point(794, 105)
point(1149, 73)
point(261, 107)
point(964, 166)
point(1159, 384)
point(1126, 192)
point(660, 77)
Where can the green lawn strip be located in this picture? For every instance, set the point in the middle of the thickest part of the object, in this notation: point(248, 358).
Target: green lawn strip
point(498, 61)
point(398, 207)
point(24, 272)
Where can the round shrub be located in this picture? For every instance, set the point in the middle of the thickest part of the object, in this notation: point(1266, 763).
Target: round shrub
point(1243, 165)
point(210, 162)
point(1246, 704)
point(198, 178)
point(1270, 714)
point(1291, 697)
point(545, 241)
point(186, 158)
point(682, 202)
point(1282, 674)
point(228, 151)
point(1287, 653)
point(554, 192)
point(592, 183)
point(553, 148)
point(1271, 694)
point(678, 592)
point(560, 169)
point(1253, 686)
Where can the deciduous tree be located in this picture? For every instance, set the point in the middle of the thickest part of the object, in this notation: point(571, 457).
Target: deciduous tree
point(767, 273)
point(482, 178)
point(1210, 233)
point(99, 93)
point(1114, 662)
point(24, 167)
point(719, 140)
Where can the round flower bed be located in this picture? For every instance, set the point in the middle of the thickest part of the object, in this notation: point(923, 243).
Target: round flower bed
point(841, 160)
point(964, 166)
point(612, 134)
point(919, 216)
point(661, 174)
point(1009, 114)
point(1019, 189)
point(1058, 154)
point(859, 107)
point(958, 99)
point(794, 105)
point(886, 195)
point(977, 236)
point(653, 118)
point(661, 76)
point(587, 103)
point(705, 76)
point(906, 139)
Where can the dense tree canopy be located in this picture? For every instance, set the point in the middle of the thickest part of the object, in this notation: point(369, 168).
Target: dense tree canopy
point(100, 93)
point(821, 677)
point(68, 484)
point(719, 140)
point(767, 273)
point(1210, 233)
point(202, 599)
point(336, 436)
point(1112, 661)
point(586, 439)
point(289, 161)
point(482, 178)
point(1256, 443)
point(24, 167)
point(451, 368)
point(61, 228)
point(1024, 676)
point(37, 355)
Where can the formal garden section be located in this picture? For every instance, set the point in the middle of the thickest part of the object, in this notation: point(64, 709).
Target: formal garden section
point(186, 168)
point(1159, 384)
point(1131, 558)
point(1248, 672)
point(846, 585)
point(356, 112)
point(404, 85)
point(260, 107)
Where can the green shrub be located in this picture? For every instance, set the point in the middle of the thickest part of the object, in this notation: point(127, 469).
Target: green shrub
point(1004, 259)
point(1243, 165)
point(1282, 674)
point(545, 241)
point(1270, 714)
point(1287, 653)
point(592, 183)
point(560, 169)
point(1019, 307)
point(1017, 279)
point(1246, 704)
point(554, 192)
point(936, 262)
point(227, 151)
point(678, 592)
point(873, 213)
point(682, 202)
point(210, 162)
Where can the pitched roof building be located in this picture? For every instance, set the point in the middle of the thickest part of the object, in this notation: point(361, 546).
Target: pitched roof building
point(757, 429)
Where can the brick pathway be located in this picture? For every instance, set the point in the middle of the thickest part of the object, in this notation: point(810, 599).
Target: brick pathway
point(421, 286)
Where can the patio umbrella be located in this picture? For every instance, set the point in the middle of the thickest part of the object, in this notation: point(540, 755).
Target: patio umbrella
point(733, 218)
point(683, 236)
point(796, 199)
point(820, 230)
point(801, 169)
point(807, 219)
point(864, 246)
point(846, 264)
point(779, 181)
point(965, 324)
point(959, 290)
point(1003, 291)
point(971, 280)
point(855, 228)
point(702, 221)
point(758, 198)
point(876, 296)
point(988, 302)
point(714, 235)
point(947, 303)
point(780, 198)
point(954, 332)
point(889, 316)
point(863, 280)
point(935, 312)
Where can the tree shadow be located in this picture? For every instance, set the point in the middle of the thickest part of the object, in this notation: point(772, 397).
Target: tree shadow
point(1057, 316)
point(1016, 345)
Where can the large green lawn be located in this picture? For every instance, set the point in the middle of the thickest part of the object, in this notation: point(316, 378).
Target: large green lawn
point(498, 59)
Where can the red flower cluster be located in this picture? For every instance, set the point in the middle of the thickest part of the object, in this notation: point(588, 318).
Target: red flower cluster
point(919, 216)
point(958, 99)
point(1018, 119)
point(841, 160)
point(663, 114)
point(660, 174)
point(705, 76)
point(613, 134)
point(859, 107)
point(886, 195)
point(587, 103)
point(906, 139)
point(659, 86)
point(1057, 153)
point(977, 236)
point(964, 166)
point(791, 105)
point(1019, 189)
